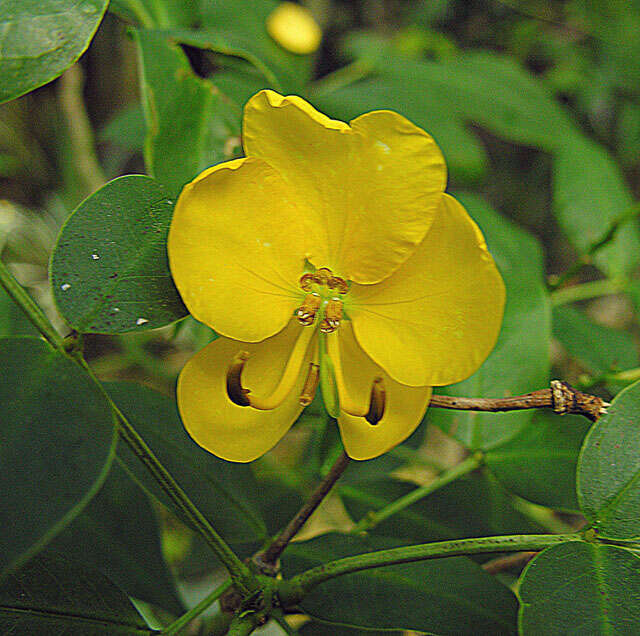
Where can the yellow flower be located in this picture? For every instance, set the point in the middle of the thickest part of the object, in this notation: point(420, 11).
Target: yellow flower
point(329, 254)
point(292, 26)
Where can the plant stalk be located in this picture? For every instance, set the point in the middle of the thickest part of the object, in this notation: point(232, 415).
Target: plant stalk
point(267, 558)
point(194, 612)
point(372, 519)
point(295, 589)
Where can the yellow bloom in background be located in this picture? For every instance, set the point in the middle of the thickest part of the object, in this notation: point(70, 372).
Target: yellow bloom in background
point(293, 27)
point(330, 255)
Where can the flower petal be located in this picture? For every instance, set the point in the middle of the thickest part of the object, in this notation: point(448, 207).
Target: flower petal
point(370, 190)
point(239, 433)
point(237, 248)
point(404, 409)
point(437, 318)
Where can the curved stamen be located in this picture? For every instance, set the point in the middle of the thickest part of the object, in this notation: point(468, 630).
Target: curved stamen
point(332, 316)
point(242, 396)
point(377, 399)
point(310, 384)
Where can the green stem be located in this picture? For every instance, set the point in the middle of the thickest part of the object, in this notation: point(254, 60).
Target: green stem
point(586, 291)
point(29, 307)
point(144, 17)
point(374, 518)
point(240, 573)
point(342, 77)
point(194, 612)
point(295, 589)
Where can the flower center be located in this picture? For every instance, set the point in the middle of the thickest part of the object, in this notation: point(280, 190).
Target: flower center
point(323, 297)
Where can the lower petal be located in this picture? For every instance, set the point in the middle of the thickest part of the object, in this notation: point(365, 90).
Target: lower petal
point(239, 433)
point(404, 409)
point(436, 319)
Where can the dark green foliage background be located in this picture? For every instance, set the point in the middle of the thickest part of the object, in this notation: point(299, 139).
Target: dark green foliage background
point(536, 107)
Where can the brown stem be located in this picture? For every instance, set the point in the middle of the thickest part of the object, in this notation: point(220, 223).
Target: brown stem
point(266, 559)
point(561, 397)
point(509, 562)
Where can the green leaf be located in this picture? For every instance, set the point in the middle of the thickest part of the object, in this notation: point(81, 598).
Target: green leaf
point(109, 269)
point(13, 321)
point(118, 534)
point(125, 129)
point(42, 38)
point(539, 463)
point(56, 445)
point(316, 628)
point(600, 349)
point(229, 28)
point(223, 491)
point(52, 597)
point(151, 13)
point(590, 195)
point(188, 121)
point(450, 596)
point(580, 588)
point(609, 472)
point(520, 360)
point(452, 512)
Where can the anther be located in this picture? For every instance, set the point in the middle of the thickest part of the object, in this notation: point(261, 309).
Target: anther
point(237, 394)
point(309, 308)
point(310, 384)
point(377, 402)
point(332, 316)
point(306, 282)
point(323, 276)
point(339, 284)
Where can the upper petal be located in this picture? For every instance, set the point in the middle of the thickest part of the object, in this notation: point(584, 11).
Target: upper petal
point(371, 189)
point(236, 248)
point(437, 318)
point(405, 406)
point(239, 433)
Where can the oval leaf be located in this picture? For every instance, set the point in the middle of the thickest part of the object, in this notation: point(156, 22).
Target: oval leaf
point(609, 470)
point(223, 491)
point(53, 597)
point(56, 445)
point(581, 588)
point(450, 596)
point(539, 463)
point(118, 534)
point(42, 38)
point(109, 269)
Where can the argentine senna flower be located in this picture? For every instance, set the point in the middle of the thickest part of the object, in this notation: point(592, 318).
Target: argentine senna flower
point(328, 257)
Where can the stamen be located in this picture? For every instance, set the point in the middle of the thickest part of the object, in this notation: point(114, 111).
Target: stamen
point(306, 282)
point(236, 393)
point(309, 308)
point(377, 399)
point(339, 284)
point(332, 316)
point(310, 384)
point(242, 397)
